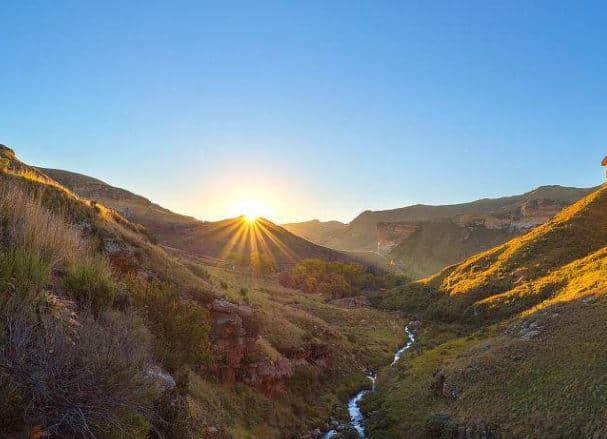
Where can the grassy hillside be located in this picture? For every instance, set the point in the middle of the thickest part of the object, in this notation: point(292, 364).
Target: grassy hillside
point(315, 230)
point(232, 239)
point(438, 244)
point(514, 340)
point(361, 232)
point(104, 334)
point(135, 207)
point(420, 240)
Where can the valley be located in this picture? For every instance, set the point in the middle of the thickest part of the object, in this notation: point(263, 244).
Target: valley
point(303, 220)
point(254, 332)
point(420, 240)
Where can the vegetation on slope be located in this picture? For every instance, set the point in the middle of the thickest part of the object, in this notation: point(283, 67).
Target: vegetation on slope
point(361, 233)
point(438, 244)
point(337, 280)
point(97, 321)
point(525, 358)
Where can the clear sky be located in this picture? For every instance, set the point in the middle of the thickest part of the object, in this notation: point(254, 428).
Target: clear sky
point(315, 109)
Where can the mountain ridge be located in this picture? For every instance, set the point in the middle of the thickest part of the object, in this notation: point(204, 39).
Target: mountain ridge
point(405, 236)
point(224, 239)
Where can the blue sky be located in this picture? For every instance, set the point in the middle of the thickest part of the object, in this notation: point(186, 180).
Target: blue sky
point(315, 109)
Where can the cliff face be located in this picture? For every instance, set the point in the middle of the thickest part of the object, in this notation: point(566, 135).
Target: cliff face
point(389, 235)
point(420, 248)
point(238, 356)
point(532, 208)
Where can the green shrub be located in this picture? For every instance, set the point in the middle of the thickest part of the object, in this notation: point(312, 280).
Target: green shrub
point(336, 279)
point(23, 270)
point(181, 327)
point(440, 426)
point(91, 283)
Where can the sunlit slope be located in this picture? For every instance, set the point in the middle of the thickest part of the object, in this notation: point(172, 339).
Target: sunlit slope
point(438, 244)
point(515, 342)
point(577, 232)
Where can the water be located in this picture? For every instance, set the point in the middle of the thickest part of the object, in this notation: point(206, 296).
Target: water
point(356, 416)
point(402, 350)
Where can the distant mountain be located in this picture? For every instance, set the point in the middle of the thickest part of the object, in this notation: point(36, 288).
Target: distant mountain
point(315, 230)
point(555, 258)
point(423, 239)
point(226, 239)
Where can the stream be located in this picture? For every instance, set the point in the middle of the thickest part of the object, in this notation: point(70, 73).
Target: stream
point(356, 416)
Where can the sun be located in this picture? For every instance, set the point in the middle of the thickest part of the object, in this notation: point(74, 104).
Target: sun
point(251, 210)
point(250, 219)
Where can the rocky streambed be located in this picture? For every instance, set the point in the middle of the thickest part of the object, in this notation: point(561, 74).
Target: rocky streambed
point(356, 415)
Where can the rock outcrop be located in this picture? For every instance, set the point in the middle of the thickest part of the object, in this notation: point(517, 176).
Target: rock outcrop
point(389, 235)
point(237, 355)
point(231, 337)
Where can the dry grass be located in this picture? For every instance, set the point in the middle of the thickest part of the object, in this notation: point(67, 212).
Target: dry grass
point(83, 380)
point(30, 226)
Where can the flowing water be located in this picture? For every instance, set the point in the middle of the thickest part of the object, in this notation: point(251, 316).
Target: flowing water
point(356, 416)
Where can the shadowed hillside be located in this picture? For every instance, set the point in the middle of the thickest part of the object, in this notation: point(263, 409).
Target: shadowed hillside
point(421, 239)
point(316, 231)
point(231, 239)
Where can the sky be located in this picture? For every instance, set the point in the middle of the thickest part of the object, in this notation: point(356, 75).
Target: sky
point(309, 109)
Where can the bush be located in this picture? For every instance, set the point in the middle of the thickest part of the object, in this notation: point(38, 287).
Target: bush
point(441, 426)
point(181, 327)
point(83, 382)
point(23, 270)
point(91, 283)
point(336, 279)
point(285, 279)
point(29, 226)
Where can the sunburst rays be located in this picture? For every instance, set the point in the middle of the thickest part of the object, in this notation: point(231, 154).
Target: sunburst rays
point(245, 236)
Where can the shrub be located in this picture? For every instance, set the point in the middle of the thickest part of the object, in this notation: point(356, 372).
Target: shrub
point(181, 327)
point(28, 225)
point(440, 426)
point(73, 383)
point(285, 279)
point(336, 279)
point(23, 270)
point(91, 282)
